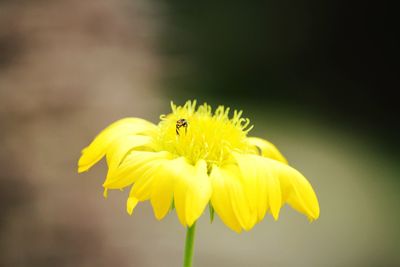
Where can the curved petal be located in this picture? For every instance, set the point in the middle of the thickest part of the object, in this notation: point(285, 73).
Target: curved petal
point(97, 149)
point(158, 177)
point(267, 149)
point(122, 146)
point(222, 182)
point(297, 191)
point(188, 184)
point(294, 187)
point(230, 199)
point(261, 185)
point(163, 192)
point(192, 188)
point(131, 202)
point(136, 165)
point(144, 185)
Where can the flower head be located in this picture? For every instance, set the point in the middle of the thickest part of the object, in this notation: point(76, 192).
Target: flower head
point(195, 157)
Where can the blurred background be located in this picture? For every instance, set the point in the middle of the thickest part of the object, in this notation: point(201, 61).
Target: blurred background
point(315, 78)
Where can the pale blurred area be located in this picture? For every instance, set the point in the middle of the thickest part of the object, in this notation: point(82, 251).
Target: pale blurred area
point(69, 68)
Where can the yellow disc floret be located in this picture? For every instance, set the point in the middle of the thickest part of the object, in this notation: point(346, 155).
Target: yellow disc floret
point(199, 133)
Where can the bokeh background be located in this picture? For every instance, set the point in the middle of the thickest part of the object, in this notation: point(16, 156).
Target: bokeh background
point(315, 78)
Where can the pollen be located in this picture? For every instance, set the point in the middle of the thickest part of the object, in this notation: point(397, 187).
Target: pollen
point(209, 136)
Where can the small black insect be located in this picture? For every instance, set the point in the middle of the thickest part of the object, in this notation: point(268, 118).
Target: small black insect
point(181, 123)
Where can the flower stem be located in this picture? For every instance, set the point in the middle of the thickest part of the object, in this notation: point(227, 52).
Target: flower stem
point(189, 245)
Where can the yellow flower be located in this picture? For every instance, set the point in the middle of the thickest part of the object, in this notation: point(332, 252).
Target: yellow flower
point(195, 157)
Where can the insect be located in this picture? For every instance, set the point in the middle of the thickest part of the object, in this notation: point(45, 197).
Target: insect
point(181, 123)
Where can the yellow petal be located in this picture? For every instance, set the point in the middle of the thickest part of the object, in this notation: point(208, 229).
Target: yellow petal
point(221, 200)
point(163, 191)
point(267, 149)
point(192, 189)
point(135, 165)
point(105, 193)
point(98, 148)
point(122, 146)
point(296, 190)
point(237, 197)
point(131, 202)
point(143, 187)
point(262, 186)
point(294, 187)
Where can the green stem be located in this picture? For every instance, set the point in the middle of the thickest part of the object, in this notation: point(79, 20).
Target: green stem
point(189, 245)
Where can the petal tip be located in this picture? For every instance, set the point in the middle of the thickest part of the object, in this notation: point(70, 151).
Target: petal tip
point(190, 224)
point(131, 204)
point(159, 217)
point(82, 169)
point(105, 193)
point(275, 216)
point(237, 230)
point(314, 216)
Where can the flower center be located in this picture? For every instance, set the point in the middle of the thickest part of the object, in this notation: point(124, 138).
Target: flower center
point(200, 134)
